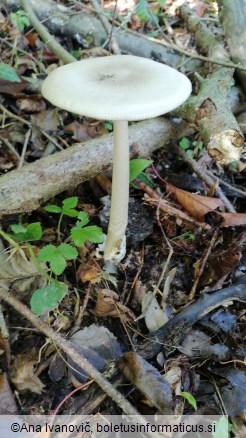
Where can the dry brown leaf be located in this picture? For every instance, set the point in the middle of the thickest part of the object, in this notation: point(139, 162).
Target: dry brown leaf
point(196, 205)
point(88, 271)
point(148, 380)
point(84, 132)
point(31, 105)
point(46, 120)
point(220, 264)
point(19, 272)
point(108, 305)
point(233, 219)
point(11, 88)
point(23, 374)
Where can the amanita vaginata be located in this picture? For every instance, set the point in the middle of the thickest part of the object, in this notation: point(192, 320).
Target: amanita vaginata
point(120, 88)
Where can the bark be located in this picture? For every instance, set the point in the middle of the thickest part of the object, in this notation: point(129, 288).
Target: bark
point(233, 18)
point(89, 32)
point(210, 109)
point(25, 189)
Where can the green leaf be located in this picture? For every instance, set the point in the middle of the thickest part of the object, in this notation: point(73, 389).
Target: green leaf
point(58, 263)
point(69, 203)
point(8, 74)
point(137, 166)
point(52, 208)
point(68, 251)
point(47, 253)
point(18, 228)
point(189, 397)
point(93, 233)
point(184, 143)
point(142, 11)
point(33, 231)
point(71, 212)
point(48, 298)
point(77, 236)
point(83, 219)
point(144, 179)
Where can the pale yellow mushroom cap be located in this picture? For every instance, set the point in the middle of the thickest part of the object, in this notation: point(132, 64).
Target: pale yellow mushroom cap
point(120, 87)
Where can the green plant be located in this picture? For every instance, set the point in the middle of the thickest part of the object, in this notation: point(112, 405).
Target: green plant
point(57, 256)
point(32, 232)
point(192, 148)
point(20, 18)
point(48, 297)
point(187, 235)
point(137, 166)
point(80, 233)
point(68, 209)
point(191, 400)
point(8, 74)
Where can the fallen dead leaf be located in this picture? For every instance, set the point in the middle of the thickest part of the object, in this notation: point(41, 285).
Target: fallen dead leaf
point(108, 305)
point(31, 105)
point(23, 374)
point(148, 380)
point(196, 205)
point(233, 219)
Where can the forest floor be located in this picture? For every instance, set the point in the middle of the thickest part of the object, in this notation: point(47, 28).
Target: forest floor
point(171, 319)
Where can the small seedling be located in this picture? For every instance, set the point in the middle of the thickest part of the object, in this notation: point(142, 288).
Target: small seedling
point(191, 400)
point(68, 209)
point(20, 18)
point(80, 233)
point(191, 148)
point(32, 232)
point(137, 166)
point(57, 256)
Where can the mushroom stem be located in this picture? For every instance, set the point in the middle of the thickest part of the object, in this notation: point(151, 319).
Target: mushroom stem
point(115, 247)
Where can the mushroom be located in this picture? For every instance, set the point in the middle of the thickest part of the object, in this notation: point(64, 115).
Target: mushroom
point(120, 88)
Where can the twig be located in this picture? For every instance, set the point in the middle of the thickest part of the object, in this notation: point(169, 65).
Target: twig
point(187, 52)
point(197, 168)
point(48, 39)
point(203, 264)
point(10, 147)
point(163, 205)
point(27, 137)
point(109, 29)
point(70, 350)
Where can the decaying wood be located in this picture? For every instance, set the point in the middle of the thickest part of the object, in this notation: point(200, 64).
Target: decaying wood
point(210, 109)
point(25, 189)
point(233, 17)
point(89, 32)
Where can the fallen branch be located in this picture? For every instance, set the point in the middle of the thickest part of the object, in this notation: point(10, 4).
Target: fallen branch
point(70, 350)
point(45, 35)
point(25, 189)
point(210, 109)
point(171, 334)
point(233, 17)
point(88, 31)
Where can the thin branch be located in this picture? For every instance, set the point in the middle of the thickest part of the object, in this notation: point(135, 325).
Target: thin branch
point(107, 26)
point(48, 39)
point(69, 348)
point(209, 181)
